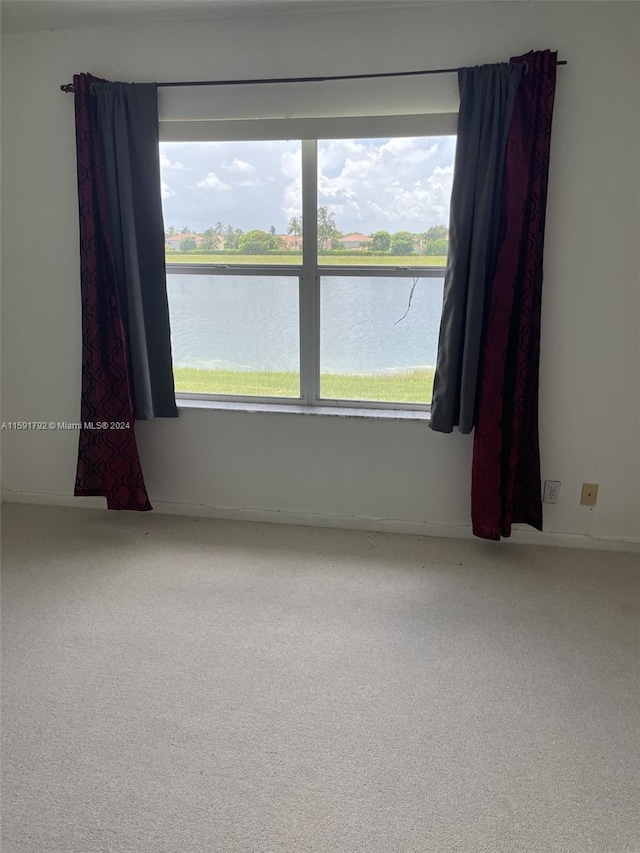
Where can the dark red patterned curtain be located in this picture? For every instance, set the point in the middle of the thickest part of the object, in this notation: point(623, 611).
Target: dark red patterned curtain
point(506, 486)
point(108, 463)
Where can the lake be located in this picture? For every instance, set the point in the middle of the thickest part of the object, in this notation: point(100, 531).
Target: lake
point(251, 323)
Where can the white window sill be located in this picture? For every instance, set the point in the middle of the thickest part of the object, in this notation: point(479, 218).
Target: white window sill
point(293, 409)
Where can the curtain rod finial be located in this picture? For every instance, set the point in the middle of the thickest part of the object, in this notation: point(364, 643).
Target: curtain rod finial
point(66, 87)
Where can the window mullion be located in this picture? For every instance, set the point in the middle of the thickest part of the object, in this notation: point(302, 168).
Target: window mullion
point(309, 281)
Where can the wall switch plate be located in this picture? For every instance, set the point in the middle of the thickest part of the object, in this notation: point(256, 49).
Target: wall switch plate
point(551, 491)
point(589, 495)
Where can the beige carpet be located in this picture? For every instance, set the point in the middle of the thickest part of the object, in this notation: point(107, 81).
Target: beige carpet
point(175, 685)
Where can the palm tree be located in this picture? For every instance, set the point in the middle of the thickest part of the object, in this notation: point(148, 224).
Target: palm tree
point(219, 229)
point(209, 243)
point(295, 228)
point(326, 229)
point(231, 236)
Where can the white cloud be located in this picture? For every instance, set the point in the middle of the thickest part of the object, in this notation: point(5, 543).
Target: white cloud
point(369, 184)
point(213, 183)
point(291, 169)
point(166, 163)
point(255, 182)
point(291, 164)
point(166, 190)
point(393, 185)
point(240, 167)
point(409, 148)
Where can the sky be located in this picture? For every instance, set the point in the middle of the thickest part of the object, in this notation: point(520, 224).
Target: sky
point(400, 184)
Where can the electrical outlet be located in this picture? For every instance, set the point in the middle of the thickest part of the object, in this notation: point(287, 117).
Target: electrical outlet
point(589, 495)
point(551, 491)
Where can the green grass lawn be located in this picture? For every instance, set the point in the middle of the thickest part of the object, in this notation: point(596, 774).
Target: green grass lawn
point(411, 386)
point(340, 260)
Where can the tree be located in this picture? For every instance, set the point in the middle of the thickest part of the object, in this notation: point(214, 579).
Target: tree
point(184, 230)
point(219, 229)
point(272, 230)
point(437, 232)
point(258, 242)
point(336, 240)
point(380, 241)
point(421, 242)
point(170, 231)
point(209, 242)
point(437, 247)
point(327, 231)
point(295, 227)
point(402, 243)
point(188, 245)
point(231, 236)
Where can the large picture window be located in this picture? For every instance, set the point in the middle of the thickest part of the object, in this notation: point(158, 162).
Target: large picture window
point(307, 271)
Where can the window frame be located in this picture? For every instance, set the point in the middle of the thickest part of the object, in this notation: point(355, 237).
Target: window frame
point(310, 272)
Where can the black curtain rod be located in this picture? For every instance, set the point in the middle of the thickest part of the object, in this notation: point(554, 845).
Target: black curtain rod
point(68, 87)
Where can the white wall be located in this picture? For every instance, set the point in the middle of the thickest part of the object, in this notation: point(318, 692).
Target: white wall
point(323, 466)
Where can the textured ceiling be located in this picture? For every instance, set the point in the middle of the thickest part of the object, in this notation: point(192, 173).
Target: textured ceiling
point(25, 15)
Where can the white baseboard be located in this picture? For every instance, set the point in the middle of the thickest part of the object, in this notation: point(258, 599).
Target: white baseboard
point(382, 525)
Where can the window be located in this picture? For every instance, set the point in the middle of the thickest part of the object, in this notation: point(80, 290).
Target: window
point(307, 271)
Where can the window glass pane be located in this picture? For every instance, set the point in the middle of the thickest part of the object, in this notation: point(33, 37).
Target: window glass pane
point(384, 201)
point(232, 202)
point(374, 345)
point(235, 334)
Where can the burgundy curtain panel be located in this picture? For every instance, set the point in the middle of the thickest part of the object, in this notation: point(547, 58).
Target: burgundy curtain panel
point(506, 486)
point(108, 463)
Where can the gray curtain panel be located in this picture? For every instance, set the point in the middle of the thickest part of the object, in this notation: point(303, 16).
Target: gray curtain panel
point(487, 95)
point(128, 123)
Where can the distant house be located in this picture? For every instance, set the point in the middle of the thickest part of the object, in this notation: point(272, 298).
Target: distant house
point(174, 242)
point(355, 241)
point(290, 241)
